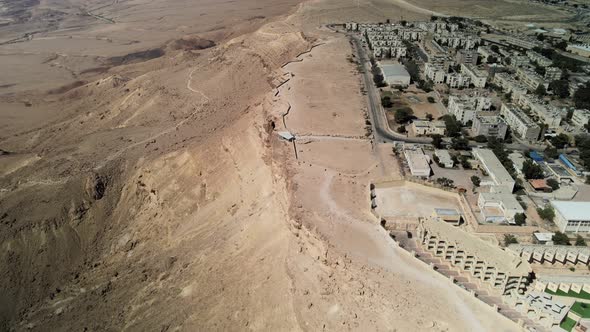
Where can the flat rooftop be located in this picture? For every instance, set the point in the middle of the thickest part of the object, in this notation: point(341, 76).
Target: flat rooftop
point(508, 200)
point(493, 164)
point(573, 210)
point(394, 70)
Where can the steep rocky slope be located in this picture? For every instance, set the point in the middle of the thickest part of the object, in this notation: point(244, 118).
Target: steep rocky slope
point(150, 198)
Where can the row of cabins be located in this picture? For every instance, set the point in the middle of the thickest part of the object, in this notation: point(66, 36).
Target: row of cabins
point(551, 254)
point(501, 272)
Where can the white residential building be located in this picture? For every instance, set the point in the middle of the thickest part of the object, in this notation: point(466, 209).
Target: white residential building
point(539, 59)
point(530, 78)
point(489, 124)
point(510, 85)
point(464, 107)
point(552, 74)
point(478, 77)
point(435, 72)
point(519, 60)
point(498, 207)
point(418, 162)
point(502, 182)
point(580, 118)
point(457, 80)
point(424, 128)
point(545, 113)
point(520, 123)
point(444, 158)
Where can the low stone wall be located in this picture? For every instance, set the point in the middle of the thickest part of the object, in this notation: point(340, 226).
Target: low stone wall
point(400, 224)
point(505, 229)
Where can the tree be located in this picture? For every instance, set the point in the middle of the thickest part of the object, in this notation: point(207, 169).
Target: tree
point(403, 115)
point(475, 180)
point(562, 45)
point(582, 96)
point(429, 116)
point(580, 242)
point(431, 99)
point(532, 170)
point(509, 239)
point(560, 88)
point(437, 141)
point(401, 129)
point(520, 219)
point(560, 141)
point(495, 48)
point(459, 143)
point(378, 77)
point(452, 125)
point(547, 213)
point(561, 239)
point(551, 153)
point(480, 139)
point(413, 70)
point(465, 162)
point(540, 91)
point(498, 147)
point(554, 184)
point(426, 85)
point(386, 102)
point(446, 182)
point(540, 37)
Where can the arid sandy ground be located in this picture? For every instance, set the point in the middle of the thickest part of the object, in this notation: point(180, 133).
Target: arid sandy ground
point(155, 195)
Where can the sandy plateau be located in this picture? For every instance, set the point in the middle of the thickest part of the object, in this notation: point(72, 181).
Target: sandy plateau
point(149, 191)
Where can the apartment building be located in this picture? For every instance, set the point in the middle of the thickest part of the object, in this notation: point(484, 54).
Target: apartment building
point(529, 78)
point(457, 80)
point(580, 118)
point(552, 74)
point(549, 115)
point(540, 59)
point(478, 77)
point(435, 72)
point(467, 57)
point(510, 85)
point(489, 124)
point(519, 60)
point(464, 107)
point(520, 123)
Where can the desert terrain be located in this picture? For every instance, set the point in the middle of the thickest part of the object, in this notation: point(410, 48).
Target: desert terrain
point(143, 185)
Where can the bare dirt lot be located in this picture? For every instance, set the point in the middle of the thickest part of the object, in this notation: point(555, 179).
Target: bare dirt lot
point(411, 200)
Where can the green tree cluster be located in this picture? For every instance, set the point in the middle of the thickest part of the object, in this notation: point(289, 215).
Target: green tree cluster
point(453, 126)
point(561, 239)
point(509, 239)
point(532, 170)
point(546, 213)
point(403, 114)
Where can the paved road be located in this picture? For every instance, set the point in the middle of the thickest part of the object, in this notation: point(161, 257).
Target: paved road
point(381, 129)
